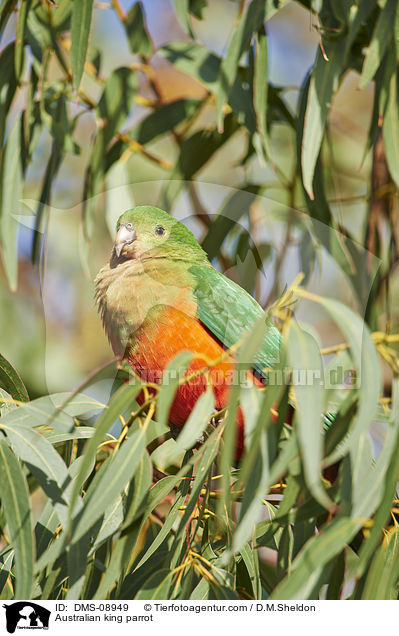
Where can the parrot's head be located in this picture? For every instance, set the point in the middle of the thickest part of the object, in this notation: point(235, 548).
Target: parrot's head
point(146, 232)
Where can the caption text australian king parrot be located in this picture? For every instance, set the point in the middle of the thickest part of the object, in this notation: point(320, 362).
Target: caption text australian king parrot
point(159, 296)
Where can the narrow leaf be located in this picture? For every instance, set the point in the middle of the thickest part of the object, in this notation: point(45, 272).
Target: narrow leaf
point(80, 31)
point(109, 482)
point(11, 190)
point(11, 381)
point(380, 41)
point(390, 129)
point(15, 499)
point(251, 20)
point(136, 31)
point(20, 37)
point(305, 360)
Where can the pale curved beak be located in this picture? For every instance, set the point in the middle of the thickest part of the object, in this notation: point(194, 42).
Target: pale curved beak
point(124, 236)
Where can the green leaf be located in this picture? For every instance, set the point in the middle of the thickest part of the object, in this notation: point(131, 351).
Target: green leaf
point(11, 381)
point(122, 399)
point(159, 123)
point(391, 479)
point(76, 560)
point(6, 561)
point(166, 528)
point(20, 37)
point(382, 578)
point(172, 375)
point(156, 587)
point(44, 463)
point(368, 380)
point(45, 528)
point(260, 84)
point(11, 190)
point(194, 60)
point(56, 411)
point(136, 31)
point(80, 31)
point(119, 561)
point(183, 14)
point(116, 101)
point(8, 86)
point(251, 20)
point(390, 129)
point(136, 498)
point(317, 552)
point(323, 85)
point(112, 110)
point(249, 557)
point(255, 469)
point(195, 152)
point(305, 359)
point(109, 482)
point(233, 208)
point(195, 425)
point(15, 499)
point(6, 10)
point(382, 37)
point(183, 9)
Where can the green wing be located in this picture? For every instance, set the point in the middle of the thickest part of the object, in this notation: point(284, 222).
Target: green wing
point(228, 311)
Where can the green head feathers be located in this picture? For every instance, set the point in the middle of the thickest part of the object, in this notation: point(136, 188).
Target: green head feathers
point(149, 232)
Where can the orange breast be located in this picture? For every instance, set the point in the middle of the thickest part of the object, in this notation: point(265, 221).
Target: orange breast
point(171, 333)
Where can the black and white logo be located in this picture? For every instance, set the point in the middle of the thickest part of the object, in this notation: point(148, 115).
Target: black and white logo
point(26, 615)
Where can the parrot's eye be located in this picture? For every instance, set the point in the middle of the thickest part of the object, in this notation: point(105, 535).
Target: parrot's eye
point(129, 226)
point(159, 230)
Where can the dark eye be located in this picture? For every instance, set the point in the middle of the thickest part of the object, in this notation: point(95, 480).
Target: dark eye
point(159, 230)
point(129, 226)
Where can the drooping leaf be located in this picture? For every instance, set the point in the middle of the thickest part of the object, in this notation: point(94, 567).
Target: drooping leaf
point(6, 562)
point(11, 189)
point(11, 381)
point(112, 110)
point(324, 82)
point(8, 86)
point(368, 381)
point(195, 152)
point(24, 7)
point(260, 88)
point(120, 400)
point(251, 20)
point(109, 482)
point(15, 499)
point(44, 463)
point(382, 578)
point(158, 123)
point(196, 423)
point(323, 85)
point(305, 360)
point(172, 376)
point(136, 31)
point(156, 587)
point(306, 568)
point(7, 7)
point(390, 128)
point(80, 32)
point(380, 41)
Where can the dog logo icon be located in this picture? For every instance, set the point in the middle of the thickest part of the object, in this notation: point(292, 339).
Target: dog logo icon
point(26, 615)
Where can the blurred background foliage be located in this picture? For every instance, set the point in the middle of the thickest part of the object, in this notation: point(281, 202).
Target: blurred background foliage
point(271, 129)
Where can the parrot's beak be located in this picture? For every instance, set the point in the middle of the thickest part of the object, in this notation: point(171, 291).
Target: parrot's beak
point(124, 236)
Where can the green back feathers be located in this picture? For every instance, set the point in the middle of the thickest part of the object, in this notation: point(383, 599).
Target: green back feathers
point(228, 311)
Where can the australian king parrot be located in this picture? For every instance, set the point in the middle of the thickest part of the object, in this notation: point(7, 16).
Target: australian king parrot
point(159, 295)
